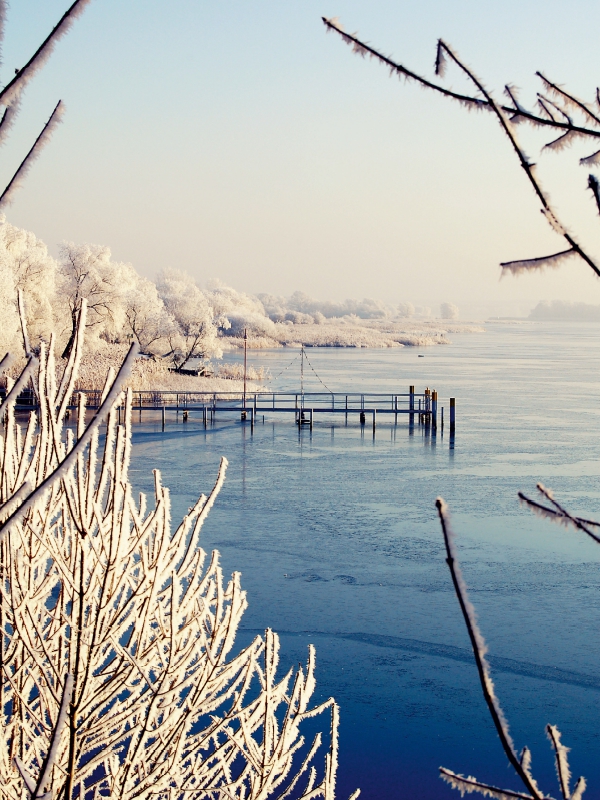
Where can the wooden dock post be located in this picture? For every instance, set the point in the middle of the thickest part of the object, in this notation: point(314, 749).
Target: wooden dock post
point(452, 415)
point(163, 418)
point(411, 405)
point(362, 417)
point(434, 403)
point(185, 415)
point(312, 413)
point(374, 419)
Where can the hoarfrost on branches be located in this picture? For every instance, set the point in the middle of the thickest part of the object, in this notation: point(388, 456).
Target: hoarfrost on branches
point(567, 117)
point(118, 673)
point(521, 763)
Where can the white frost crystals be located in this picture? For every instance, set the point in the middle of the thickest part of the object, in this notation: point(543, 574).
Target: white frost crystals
point(521, 763)
point(118, 668)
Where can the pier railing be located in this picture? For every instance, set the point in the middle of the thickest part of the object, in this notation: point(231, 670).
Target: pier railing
point(304, 405)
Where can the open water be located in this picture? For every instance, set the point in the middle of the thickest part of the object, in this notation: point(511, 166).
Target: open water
point(336, 535)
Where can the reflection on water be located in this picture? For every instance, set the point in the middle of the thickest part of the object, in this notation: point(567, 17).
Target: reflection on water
point(335, 533)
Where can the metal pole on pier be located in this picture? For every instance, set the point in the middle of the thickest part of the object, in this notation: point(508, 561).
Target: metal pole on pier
point(411, 405)
point(452, 415)
point(434, 402)
point(245, 368)
point(302, 376)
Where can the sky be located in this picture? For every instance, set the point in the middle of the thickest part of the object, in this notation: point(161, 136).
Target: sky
point(238, 141)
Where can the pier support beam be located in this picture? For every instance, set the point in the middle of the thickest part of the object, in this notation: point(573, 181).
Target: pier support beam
point(452, 415)
point(434, 405)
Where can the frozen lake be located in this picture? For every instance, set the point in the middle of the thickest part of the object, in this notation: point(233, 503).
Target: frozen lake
point(336, 535)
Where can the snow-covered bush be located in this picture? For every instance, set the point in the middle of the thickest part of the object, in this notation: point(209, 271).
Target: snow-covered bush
point(119, 668)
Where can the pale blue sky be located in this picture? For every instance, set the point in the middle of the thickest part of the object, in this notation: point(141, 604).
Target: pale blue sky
point(237, 140)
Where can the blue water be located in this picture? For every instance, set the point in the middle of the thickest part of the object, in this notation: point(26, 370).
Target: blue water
point(336, 536)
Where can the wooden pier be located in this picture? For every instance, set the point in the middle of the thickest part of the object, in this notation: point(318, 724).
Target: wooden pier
point(304, 406)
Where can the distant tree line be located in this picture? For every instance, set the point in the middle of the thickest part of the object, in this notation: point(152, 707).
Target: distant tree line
point(172, 317)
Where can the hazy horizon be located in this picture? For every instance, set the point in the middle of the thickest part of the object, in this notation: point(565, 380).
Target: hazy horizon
point(242, 143)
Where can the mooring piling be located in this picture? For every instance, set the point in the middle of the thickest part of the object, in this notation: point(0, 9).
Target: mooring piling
point(452, 415)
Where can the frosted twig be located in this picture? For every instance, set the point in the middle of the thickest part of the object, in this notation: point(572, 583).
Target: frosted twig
point(8, 120)
point(479, 652)
point(61, 723)
point(559, 513)
point(39, 144)
point(468, 100)
point(14, 88)
point(23, 320)
point(470, 784)
point(528, 264)
point(595, 187)
point(569, 98)
point(524, 161)
point(503, 114)
point(81, 444)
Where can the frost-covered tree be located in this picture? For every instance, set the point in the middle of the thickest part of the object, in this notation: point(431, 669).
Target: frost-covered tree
point(448, 311)
point(237, 311)
point(195, 332)
point(88, 274)
point(26, 265)
point(146, 317)
point(118, 671)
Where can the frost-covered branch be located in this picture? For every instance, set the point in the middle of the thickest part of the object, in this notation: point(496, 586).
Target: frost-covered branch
point(507, 117)
point(97, 585)
point(516, 110)
point(35, 152)
point(14, 88)
point(558, 513)
point(521, 764)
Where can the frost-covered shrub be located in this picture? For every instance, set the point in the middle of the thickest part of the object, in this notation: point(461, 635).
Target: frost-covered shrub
point(119, 668)
point(236, 372)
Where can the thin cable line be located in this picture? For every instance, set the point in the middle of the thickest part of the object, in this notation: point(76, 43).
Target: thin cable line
point(284, 369)
point(313, 369)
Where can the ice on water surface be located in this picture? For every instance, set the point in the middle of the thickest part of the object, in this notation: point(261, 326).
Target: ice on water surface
point(336, 535)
